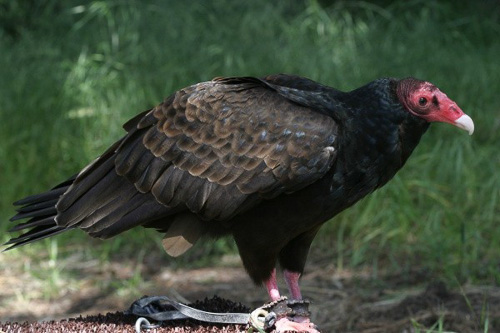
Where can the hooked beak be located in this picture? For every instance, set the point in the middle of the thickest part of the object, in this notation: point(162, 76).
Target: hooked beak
point(465, 122)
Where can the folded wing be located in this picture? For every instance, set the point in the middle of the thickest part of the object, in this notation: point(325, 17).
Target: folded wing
point(210, 151)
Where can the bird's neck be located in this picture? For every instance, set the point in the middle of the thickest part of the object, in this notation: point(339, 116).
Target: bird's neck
point(376, 137)
point(375, 125)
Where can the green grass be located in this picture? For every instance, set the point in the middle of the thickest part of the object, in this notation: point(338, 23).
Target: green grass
point(76, 71)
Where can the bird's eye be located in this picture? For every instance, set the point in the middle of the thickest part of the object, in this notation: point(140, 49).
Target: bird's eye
point(422, 101)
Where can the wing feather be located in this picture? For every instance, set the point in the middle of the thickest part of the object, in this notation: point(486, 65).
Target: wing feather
point(232, 132)
point(216, 149)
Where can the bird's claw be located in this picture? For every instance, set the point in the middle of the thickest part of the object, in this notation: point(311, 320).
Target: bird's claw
point(296, 324)
point(289, 316)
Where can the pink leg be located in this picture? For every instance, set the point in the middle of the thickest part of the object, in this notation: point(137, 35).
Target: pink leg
point(292, 281)
point(272, 287)
point(297, 324)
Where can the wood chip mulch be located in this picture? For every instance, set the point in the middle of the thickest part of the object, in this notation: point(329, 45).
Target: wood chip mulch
point(119, 322)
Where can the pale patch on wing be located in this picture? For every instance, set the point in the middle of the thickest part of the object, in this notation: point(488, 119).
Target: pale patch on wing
point(182, 234)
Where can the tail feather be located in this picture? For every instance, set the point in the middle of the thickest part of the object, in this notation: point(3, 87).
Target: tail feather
point(37, 206)
point(42, 197)
point(33, 233)
point(34, 236)
point(98, 200)
point(49, 211)
point(34, 222)
point(41, 209)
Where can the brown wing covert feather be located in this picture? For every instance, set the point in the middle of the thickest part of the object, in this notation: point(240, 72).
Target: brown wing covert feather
point(218, 146)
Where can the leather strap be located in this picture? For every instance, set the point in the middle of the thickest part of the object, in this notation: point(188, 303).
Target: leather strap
point(153, 307)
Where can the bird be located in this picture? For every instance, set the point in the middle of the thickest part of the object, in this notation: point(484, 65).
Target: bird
point(265, 160)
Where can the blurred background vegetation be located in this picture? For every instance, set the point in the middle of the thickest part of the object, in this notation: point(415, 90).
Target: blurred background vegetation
point(72, 72)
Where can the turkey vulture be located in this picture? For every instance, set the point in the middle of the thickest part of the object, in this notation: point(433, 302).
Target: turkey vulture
point(265, 160)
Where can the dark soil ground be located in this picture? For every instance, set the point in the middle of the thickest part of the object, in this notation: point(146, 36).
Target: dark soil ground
point(93, 294)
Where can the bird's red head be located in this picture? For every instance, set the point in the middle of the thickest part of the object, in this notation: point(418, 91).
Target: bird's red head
point(425, 100)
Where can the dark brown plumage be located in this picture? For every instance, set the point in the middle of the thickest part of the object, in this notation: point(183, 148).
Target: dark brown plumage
point(266, 161)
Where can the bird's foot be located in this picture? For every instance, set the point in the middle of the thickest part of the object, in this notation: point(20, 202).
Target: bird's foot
point(289, 316)
point(295, 324)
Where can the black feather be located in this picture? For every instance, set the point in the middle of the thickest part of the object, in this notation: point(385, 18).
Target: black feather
point(84, 182)
point(42, 197)
point(34, 222)
point(267, 161)
point(37, 206)
point(42, 235)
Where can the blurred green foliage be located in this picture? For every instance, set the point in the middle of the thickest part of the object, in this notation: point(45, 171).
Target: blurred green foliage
point(72, 72)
